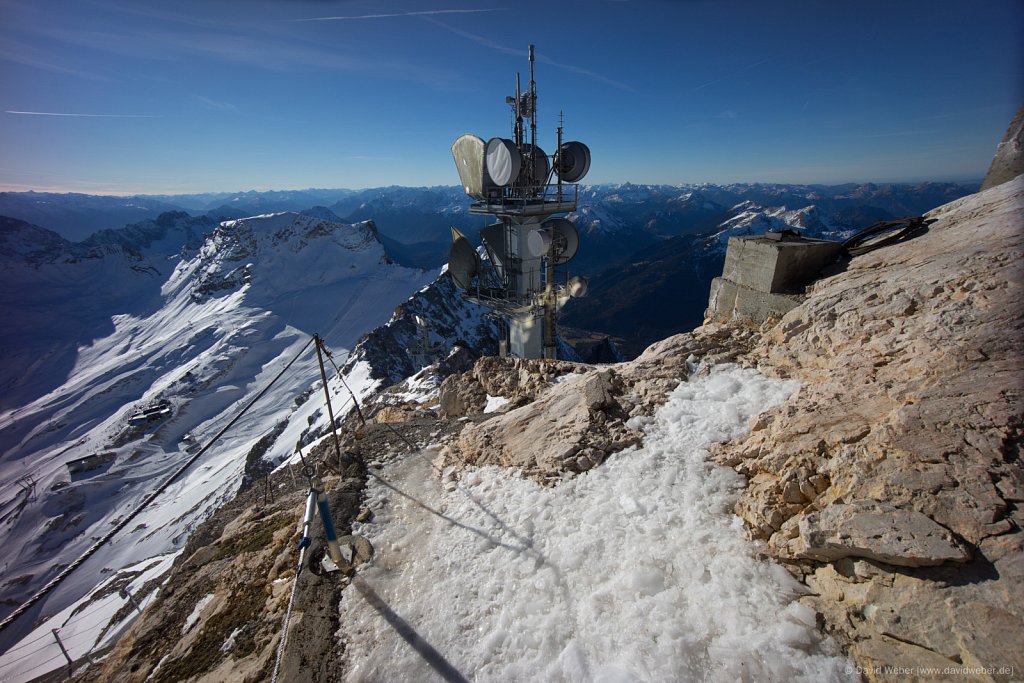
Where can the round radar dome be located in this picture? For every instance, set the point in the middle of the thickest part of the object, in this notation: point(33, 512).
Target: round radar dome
point(565, 236)
point(572, 161)
point(503, 161)
point(577, 286)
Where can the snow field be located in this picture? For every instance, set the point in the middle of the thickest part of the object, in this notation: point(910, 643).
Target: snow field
point(636, 570)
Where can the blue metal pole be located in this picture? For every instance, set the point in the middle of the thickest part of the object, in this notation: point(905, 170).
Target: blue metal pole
point(332, 537)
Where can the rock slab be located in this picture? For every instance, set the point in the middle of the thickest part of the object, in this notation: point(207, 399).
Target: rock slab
point(876, 531)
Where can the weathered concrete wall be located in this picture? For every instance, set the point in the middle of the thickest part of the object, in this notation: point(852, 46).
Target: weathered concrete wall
point(764, 278)
point(776, 267)
point(731, 301)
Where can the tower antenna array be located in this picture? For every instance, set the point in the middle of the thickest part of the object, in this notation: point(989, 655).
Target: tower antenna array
point(522, 277)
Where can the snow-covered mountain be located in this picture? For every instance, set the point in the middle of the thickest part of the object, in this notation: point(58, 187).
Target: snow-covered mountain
point(414, 221)
point(180, 339)
point(620, 224)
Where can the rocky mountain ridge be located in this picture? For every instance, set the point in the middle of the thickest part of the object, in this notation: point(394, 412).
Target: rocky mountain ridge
point(893, 481)
point(195, 334)
point(640, 243)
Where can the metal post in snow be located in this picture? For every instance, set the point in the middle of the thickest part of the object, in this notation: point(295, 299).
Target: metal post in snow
point(125, 593)
point(327, 394)
point(332, 537)
point(63, 649)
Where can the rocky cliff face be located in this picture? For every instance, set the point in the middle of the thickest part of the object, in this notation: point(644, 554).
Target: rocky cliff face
point(1008, 162)
point(892, 482)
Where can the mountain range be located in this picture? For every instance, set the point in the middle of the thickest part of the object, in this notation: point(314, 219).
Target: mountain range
point(651, 250)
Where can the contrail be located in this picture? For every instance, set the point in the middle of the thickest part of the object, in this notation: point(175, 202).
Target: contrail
point(87, 116)
point(488, 43)
point(403, 14)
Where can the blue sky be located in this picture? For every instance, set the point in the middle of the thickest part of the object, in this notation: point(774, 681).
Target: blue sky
point(223, 95)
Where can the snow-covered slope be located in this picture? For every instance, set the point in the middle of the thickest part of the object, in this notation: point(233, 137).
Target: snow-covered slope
point(57, 295)
point(201, 339)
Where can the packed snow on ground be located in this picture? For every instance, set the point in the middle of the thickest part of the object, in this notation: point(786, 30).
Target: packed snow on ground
point(637, 570)
point(495, 404)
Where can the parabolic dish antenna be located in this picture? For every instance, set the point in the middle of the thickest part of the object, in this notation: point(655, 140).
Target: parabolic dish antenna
point(534, 155)
point(572, 161)
point(463, 261)
point(538, 242)
point(494, 242)
point(565, 236)
point(503, 161)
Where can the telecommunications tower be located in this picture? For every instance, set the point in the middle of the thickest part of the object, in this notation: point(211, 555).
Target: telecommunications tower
point(511, 179)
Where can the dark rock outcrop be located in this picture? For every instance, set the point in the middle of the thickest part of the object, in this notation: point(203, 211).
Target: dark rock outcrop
point(1008, 162)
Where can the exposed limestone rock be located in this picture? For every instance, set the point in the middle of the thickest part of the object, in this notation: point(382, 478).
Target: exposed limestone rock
point(912, 394)
point(1008, 163)
point(875, 531)
point(515, 379)
point(461, 397)
point(573, 427)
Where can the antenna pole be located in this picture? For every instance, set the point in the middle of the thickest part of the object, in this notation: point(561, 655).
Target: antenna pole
point(558, 152)
point(519, 115)
point(533, 115)
point(327, 395)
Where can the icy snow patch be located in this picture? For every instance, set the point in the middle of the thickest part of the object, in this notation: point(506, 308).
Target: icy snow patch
point(196, 611)
point(229, 644)
point(420, 389)
point(635, 570)
point(495, 403)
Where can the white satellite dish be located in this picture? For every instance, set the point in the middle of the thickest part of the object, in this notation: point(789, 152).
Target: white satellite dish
point(538, 242)
point(565, 236)
point(468, 152)
point(463, 261)
point(577, 286)
point(503, 161)
point(572, 161)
